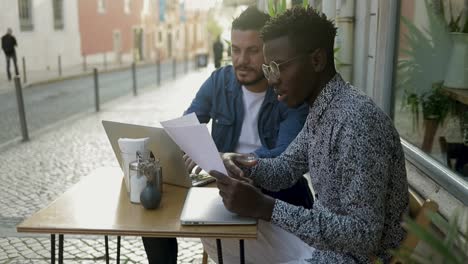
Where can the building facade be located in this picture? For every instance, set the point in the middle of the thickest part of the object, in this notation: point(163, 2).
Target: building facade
point(111, 31)
point(45, 30)
point(137, 30)
point(175, 29)
point(72, 33)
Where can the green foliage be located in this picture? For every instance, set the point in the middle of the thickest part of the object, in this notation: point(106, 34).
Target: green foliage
point(337, 60)
point(276, 8)
point(412, 101)
point(453, 248)
point(435, 104)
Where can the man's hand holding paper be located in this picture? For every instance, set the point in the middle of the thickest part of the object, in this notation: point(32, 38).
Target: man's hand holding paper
point(195, 140)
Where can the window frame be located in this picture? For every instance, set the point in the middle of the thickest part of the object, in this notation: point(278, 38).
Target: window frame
point(127, 6)
point(58, 14)
point(386, 68)
point(101, 6)
point(25, 15)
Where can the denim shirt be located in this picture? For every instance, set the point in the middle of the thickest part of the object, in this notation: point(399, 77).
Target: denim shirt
point(220, 99)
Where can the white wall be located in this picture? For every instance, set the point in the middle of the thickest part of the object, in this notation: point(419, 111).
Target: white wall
point(42, 45)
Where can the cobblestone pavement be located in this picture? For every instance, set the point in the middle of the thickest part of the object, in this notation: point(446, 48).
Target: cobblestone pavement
point(36, 172)
point(88, 250)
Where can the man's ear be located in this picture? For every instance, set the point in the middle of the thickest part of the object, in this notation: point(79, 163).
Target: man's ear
point(318, 59)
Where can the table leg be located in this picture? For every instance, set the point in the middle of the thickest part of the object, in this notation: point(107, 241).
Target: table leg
point(106, 239)
point(220, 251)
point(242, 253)
point(60, 253)
point(118, 249)
point(52, 248)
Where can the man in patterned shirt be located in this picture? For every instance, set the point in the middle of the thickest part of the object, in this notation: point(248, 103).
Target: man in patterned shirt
point(348, 144)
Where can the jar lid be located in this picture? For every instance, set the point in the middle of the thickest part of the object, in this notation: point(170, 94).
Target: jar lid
point(134, 165)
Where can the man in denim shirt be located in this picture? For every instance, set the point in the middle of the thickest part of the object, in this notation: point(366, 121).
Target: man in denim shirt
point(246, 116)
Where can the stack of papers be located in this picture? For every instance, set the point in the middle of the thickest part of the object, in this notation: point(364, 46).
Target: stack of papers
point(195, 140)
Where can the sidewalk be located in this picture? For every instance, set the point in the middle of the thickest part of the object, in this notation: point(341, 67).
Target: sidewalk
point(35, 173)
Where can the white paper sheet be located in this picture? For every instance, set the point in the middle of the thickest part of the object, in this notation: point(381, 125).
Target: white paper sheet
point(186, 120)
point(195, 140)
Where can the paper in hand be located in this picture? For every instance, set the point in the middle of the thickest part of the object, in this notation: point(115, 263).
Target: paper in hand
point(195, 140)
point(186, 120)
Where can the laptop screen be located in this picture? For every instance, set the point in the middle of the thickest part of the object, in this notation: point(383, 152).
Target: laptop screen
point(162, 146)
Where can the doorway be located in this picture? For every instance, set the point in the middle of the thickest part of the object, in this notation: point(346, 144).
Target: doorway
point(117, 44)
point(138, 44)
point(169, 45)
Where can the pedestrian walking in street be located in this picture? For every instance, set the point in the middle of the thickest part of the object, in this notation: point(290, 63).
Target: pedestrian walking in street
point(218, 52)
point(8, 45)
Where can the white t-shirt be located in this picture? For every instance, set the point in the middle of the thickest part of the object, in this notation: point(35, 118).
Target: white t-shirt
point(249, 140)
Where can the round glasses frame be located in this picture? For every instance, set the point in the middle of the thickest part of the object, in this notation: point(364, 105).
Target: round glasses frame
point(273, 69)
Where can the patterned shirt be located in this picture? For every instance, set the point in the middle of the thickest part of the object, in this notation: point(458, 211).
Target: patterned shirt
point(357, 168)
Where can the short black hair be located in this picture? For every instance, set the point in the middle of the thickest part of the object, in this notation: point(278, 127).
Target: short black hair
point(306, 28)
point(250, 19)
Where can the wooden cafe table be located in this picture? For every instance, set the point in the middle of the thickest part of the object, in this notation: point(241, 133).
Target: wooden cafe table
point(99, 205)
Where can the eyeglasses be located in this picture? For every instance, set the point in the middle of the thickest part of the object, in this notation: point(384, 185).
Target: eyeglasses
point(272, 71)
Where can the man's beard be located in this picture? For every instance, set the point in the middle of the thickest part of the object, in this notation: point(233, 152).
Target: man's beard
point(260, 78)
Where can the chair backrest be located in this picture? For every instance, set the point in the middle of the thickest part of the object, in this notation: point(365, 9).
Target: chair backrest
point(418, 209)
point(456, 155)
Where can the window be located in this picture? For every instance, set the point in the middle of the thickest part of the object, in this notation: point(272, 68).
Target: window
point(199, 32)
point(101, 5)
point(25, 15)
point(127, 6)
point(162, 10)
point(160, 36)
point(58, 14)
point(431, 88)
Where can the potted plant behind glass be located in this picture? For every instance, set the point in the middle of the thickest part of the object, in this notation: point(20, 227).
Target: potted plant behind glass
point(421, 72)
point(436, 107)
point(457, 70)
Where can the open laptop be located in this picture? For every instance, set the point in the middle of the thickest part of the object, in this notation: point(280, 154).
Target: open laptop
point(162, 146)
point(203, 206)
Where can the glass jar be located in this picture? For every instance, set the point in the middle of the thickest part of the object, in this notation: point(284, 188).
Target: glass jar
point(129, 157)
point(137, 181)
